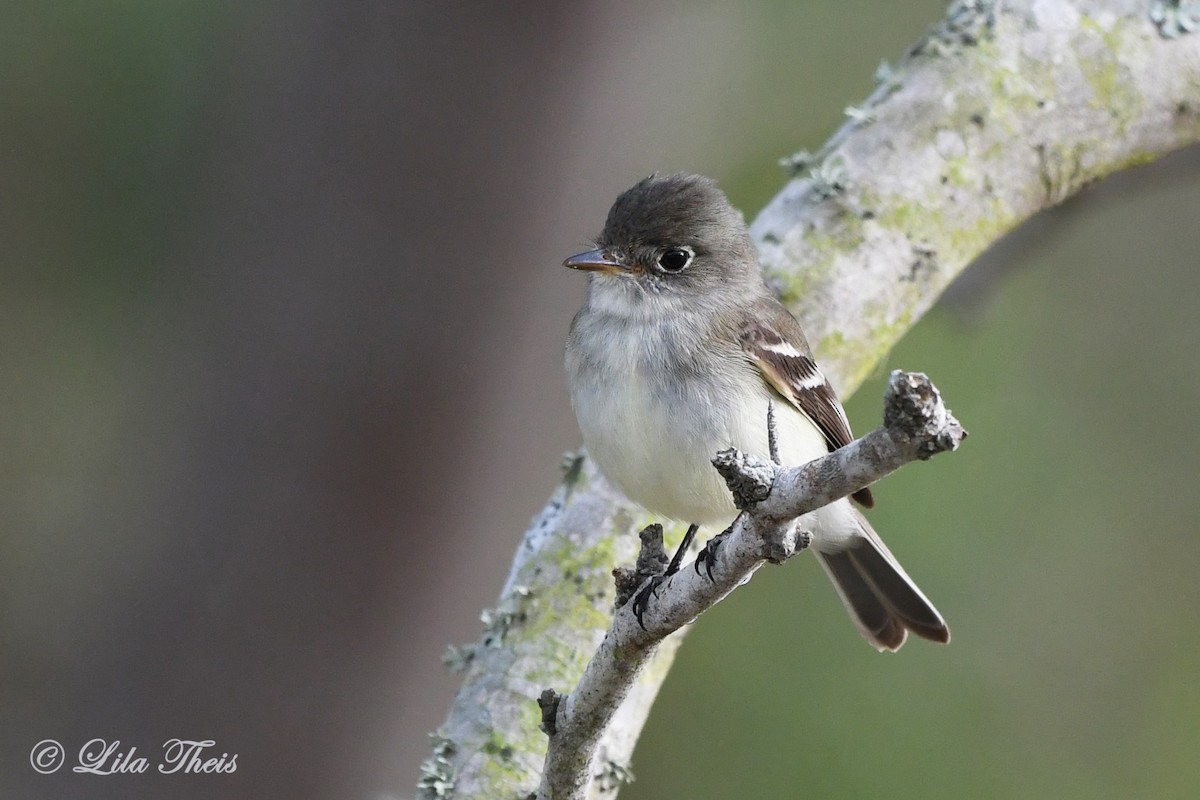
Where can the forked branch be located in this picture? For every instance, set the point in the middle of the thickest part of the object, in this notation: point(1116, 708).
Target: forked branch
point(916, 426)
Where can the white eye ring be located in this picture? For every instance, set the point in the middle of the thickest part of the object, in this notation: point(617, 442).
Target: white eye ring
point(670, 261)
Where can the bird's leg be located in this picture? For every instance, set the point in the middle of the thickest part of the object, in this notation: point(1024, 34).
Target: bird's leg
point(708, 555)
point(772, 432)
point(677, 559)
point(641, 600)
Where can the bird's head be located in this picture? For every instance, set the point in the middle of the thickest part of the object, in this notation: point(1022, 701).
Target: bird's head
point(671, 237)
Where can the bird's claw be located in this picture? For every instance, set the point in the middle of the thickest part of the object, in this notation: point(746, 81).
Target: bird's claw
point(641, 600)
point(708, 555)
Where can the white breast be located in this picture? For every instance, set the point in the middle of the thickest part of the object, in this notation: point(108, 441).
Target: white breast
point(654, 438)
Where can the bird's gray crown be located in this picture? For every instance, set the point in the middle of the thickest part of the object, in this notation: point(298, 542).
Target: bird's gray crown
point(688, 212)
point(680, 209)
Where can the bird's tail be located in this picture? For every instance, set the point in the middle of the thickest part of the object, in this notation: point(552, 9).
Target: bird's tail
point(882, 600)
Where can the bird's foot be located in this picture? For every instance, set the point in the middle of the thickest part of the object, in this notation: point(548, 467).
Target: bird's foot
point(708, 556)
point(641, 600)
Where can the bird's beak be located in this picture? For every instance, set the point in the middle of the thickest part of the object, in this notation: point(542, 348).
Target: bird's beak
point(598, 260)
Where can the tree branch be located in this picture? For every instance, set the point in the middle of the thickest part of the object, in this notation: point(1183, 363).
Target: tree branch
point(1002, 110)
point(916, 426)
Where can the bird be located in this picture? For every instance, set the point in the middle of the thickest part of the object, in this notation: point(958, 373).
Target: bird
point(677, 352)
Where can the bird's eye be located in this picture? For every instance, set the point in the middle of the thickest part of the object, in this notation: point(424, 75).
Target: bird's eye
point(675, 259)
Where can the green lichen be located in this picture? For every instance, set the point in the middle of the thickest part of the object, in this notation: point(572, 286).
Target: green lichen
point(493, 772)
point(860, 115)
point(437, 771)
point(511, 611)
point(913, 219)
point(579, 599)
point(1111, 87)
point(932, 224)
point(1061, 169)
point(822, 248)
point(828, 179)
point(859, 356)
point(846, 232)
point(965, 242)
point(1175, 17)
point(1018, 94)
point(993, 151)
point(797, 163)
point(458, 658)
point(967, 23)
point(576, 602)
point(960, 172)
point(503, 769)
point(572, 467)
point(885, 72)
point(941, 243)
point(531, 720)
point(498, 746)
point(1186, 120)
point(599, 556)
point(889, 79)
point(793, 285)
point(1001, 96)
point(613, 775)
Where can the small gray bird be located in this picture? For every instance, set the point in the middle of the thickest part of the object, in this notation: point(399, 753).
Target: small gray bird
point(674, 356)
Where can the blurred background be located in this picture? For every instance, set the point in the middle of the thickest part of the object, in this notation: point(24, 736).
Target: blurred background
point(280, 346)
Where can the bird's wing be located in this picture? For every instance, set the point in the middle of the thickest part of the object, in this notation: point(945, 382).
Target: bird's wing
point(775, 344)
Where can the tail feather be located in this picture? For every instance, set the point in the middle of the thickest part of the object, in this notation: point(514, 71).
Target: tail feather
point(872, 618)
point(882, 600)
